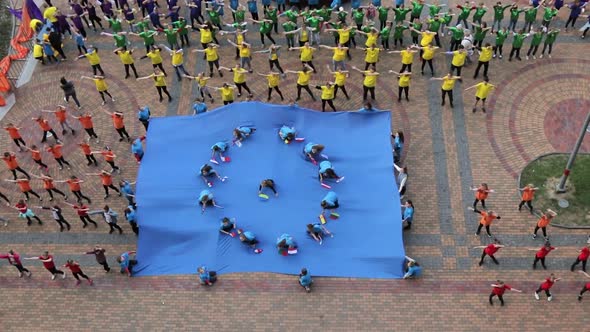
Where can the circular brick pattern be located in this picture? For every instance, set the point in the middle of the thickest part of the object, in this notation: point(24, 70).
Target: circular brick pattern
point(564, 120)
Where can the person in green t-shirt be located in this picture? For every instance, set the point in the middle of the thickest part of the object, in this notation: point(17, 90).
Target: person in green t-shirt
point(120, 38)
point(415, 27)
point(499, 10)
point(434, 26)
point(514, 14)
point(480, 33)
point(501, 36)
point(334, 26)
point(530, 16)
point(265, 30)
point(517, 41)
point(214, 16)
point(239, 14)
point(342, 15)
point(148, 38)
point(384, 34)
point(549, 40)
point(398, 34)
point(292, 15)
point(271, 13)
point(464, 14)
point(480, 11)
point(417, 7)
point(314, 23)
point(457, 34)
point(535, 42)
point(182, 27)
point(383, 11)
point(434, 8)
point(171, 36)
point(549, 14)
point(358, 16)
point(447, 18)
point(289, 26)
point(401, 13)
point(115, 23)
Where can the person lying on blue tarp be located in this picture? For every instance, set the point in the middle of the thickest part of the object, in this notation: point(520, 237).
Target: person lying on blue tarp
point(227, 226)
point(286, 245)
point(305, 280)
point(206, 277)
point(287, 134)
point(313, 152)
point(413, 269)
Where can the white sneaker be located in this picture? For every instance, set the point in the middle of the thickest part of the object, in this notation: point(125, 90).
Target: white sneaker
point(536, 296)
point(113, 99)
point(103, 103)
point(53, 277)
point(527, 57)
point(500, 56)
point(535, 57)
point(541, 56)
point(549, 298)
point(549, 56)
point(63, 276)
point(20, 274)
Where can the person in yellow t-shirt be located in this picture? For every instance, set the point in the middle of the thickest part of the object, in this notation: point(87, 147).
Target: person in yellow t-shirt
point(372, 36)
point(273, 83)
point(340, 77)
point(38, 51)
point(160, 83)
point(207, 32)
point(94, 59)
point(239, 79)
point(273, 57)
point(327, 95)
point(245, 54)
point(303, 77)
point(239, 35)
point(227, 93)
point(127, 60)
point(202, 88)
point(156, 57)
point(485, 55)
point(371, 56)
point(306, 55)
point(482, 91)
point(448, 83)
point(212, 58)
point(369, 82)
point(344, 37)
point(403, 84)
point(458, 60)
point(101, 86)
point(427, 56)
point(407, 58)
point(177, 58)
point(338, 57)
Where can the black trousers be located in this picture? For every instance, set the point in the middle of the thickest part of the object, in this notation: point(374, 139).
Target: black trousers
point(485, 65)
point(487, 229)
point(159, 65)
point(29, 221)
point(532, 49)
point(134, 228)
point(407, 66)
point(105, 266)
point(44, 139)
point(276, 88)
point(86, 219)
point(112, 164)
point(57, 191)
point(309, 63)
point(544, 229)
point(499, 297)
point(106, 189)
point(91, 159)
point(165, 90)
point(26, 193)
point(329, 102)
point(273, 63)
point(483, 202)
point(498, 49)
point(528, 203)
point(483, 255)
point(242, 85)
point(267, 36)
point(19, 141)
point(77, 275)
point(40, 163)
point(368, 64)
point(367, 90)
point(537, 259)
point(424, 62)
point(91, 132)
point(211, 64)
point(81, 196)
point(455, 44)
point(61, 161)
point(97, 68)
point(514, 51)
point(122, 133)
point(458, 68)
point(21, 268)
point(578, 261)
point(54, 270)
point(341, 87)
point(306, 88)
point(20, 170)
point(551, 46)
point(450, 94)
point(61, 222)
point(114, 226)
point(401, 89)
point(547, 292)
point(105, 92)
point(132, 65)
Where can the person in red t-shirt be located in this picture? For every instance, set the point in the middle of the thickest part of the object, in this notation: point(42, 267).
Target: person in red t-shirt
point(44, 124)
point(109, 157)
point(107, 182)
point(25, 212)
point(77, 271)
point(582, 257)
point(55, 150)
point(119, 125)
point(498, 290)
point(36, 155)
point(490, 250)
point(88, 153)
point(586, 286)
point(82, 211)
point(25, 188)
point(546, 286)
point(10, 160)
point(86, 122)
point(14, 260)
point(60, 115)
point(74, 184)
point(541, 254)
point(49, 265)
point(14, 134)
point(50, 187)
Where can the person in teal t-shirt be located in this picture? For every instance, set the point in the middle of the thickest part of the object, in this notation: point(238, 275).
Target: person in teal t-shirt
point(501, 36)
point(499, 10)
point(535, 42)
point(517, 41)
point(549, 40)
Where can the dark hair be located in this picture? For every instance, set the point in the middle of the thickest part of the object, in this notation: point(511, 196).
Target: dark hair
point(400, 134)
point(63, 80)
point(225, 219)
point(309, 227)
point(303, 271)
point(409, 201)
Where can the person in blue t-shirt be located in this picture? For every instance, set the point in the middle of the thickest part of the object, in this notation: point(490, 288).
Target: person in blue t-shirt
point(137, 148)
point(227, 226)
point(143, 114)
point(127, 190)
point(248, 238)
point(287, 134)
point(206, 277)
point(398, 145)
point(317, 231)
point(367, 108)
point(206, 199)
point(208, 171)
point(219, 148)
point(286, 245)
point(305, 280)
point(408, 214)
point(326, 171)
point(413, 269)
point(268, 183)
point(126, 263)
point(132, 219)
point(199, 107)
point(330, 202)
point(253, 9)
point(313, 151)
point(243, 132)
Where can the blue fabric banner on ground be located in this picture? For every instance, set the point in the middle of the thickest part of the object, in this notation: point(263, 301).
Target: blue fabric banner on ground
point(175, 238)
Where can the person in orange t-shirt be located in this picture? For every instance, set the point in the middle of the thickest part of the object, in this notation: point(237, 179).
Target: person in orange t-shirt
point(60, 115)
point(119, 125)
point(10, 160)
point(528, 193)
point(487, 217)
point(86, 122)
point(544, 222)
point(109, 157)
point(481, 194)
point(74, 184)
point(88, 153)
point(50, 187)
point(36, 155)
point(15, 135)
point(25, 187)
point(55, 150)
point(44, 124)
point(107, 182)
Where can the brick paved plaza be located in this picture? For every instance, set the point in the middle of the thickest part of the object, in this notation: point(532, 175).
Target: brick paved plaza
point(531, 113)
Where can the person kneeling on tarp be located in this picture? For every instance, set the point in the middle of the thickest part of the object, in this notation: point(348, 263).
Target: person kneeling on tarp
point(206, 199)
point(286, 245)
point(248, 238)
point(287, 134)
point(268, 183)
point(227, 227)
point(326, 171)
point(126, 263)
point(313, 152)
point(330, 202)
point(305, 280)
point(413, 269)
point(241, 133)
point(317, 231)
point(208, 171)
point(218, 148)
point(206, 277)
